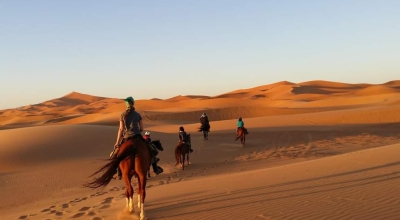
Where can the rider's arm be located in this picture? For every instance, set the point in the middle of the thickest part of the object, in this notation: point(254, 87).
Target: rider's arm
point(141, 125)
point(120, 130)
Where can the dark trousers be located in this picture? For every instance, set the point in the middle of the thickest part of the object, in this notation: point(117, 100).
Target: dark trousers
point(155, 167)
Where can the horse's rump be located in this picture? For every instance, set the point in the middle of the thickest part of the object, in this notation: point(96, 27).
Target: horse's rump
point(181, 148)
point(243, 129)
point(181, 145)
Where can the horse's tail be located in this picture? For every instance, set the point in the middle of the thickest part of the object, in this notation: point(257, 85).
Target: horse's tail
point(109, 171)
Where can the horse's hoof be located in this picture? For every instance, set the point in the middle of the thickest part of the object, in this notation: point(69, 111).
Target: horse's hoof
point(189, 163)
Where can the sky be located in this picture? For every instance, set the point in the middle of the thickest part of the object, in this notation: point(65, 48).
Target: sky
point(160, 49)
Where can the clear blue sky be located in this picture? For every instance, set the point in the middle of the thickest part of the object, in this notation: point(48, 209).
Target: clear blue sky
point(164, 48)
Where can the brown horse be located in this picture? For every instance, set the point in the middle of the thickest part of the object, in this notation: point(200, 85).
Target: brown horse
point(181, 150)
point(241, 135)
point(133, 158)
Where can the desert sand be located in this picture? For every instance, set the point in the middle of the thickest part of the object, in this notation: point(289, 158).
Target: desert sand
point(316, 150)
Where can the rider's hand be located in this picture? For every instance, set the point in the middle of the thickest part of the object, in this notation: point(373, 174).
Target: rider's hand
point(116, 145)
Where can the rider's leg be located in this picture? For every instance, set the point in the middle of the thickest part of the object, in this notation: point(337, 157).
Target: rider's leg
point(155, 167)
point(190, 148)
point(119, 173)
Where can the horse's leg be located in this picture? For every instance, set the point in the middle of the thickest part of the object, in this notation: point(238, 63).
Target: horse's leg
point(141, 169)
point(177, 156)
point(142, 186)
point(126, 174)
point(180, 159)
point(183, 160)
point(188, 162)
point(138, 192)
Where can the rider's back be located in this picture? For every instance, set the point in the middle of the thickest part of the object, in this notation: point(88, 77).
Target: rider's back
point(182, 136)
point(204, 120)
point(131, 122)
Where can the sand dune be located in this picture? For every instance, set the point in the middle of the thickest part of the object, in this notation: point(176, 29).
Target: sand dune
point(38, 145)
point(376, 90)
point(187, 97)
point(357, 185)
point(312, 94)
point(392, 83)
point(316, 150)
point(76, 97)
point(223, 182)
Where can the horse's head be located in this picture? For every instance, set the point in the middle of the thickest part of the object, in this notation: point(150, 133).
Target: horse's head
point(158, 145)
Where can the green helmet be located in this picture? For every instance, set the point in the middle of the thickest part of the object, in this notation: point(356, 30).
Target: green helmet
point(129, 100)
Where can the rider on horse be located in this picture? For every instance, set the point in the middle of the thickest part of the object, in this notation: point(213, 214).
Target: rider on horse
point(205, 124)
point(154, 159)
point(130, 127)
point(183, 138)
point(240, 124)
